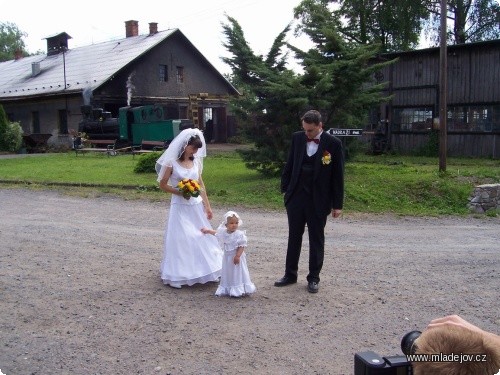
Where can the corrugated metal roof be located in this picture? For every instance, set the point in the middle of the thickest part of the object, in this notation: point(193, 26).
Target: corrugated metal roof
point(86, 67)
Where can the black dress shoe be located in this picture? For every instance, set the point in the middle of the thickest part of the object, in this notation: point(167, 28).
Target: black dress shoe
point(312, 287)
point(285, 281)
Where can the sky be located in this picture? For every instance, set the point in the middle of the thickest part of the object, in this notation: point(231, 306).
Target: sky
point(200, 21)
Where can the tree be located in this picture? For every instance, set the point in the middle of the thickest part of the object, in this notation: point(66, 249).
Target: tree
point(338, 74)
point(397, 24)
point(269, 105)
point(470, 21)
point(11, 40)
point(394, 25)
point(11, 133)
point(4, 124)
point(336, 81)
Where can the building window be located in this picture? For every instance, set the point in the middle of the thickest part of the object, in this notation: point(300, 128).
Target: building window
point(183, 112)
point(35, 121)
point(63, 122)
point(473, 118)
point(413, 119)
point(163, 73)
point(180, 74)
point(459, 119)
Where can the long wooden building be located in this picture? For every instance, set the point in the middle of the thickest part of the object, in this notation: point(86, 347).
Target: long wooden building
point(473, 99)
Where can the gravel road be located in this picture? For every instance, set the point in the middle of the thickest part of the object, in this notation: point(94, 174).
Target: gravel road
point(81, 293)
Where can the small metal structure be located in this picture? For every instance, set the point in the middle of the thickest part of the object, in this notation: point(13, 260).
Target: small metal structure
point(36, 142)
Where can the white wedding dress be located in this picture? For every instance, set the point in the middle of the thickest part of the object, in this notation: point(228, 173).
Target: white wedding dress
point(235, 279)
point(189, 256)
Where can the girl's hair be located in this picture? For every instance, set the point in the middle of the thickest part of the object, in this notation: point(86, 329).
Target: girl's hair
point(232, 216)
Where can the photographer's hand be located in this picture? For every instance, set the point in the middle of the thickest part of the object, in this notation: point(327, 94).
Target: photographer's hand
point(489, 338)
point(453, 334)
point(454, 320)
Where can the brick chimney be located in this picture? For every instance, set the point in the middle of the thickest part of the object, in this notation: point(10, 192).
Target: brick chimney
point(131, 28)
point(153, 28)
point(18, 54)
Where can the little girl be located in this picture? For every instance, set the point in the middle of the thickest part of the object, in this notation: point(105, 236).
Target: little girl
point(235, 278)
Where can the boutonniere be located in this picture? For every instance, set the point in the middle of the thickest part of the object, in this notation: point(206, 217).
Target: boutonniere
point(327, 158)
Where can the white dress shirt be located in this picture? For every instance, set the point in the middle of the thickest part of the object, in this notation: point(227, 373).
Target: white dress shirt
point(312, 147)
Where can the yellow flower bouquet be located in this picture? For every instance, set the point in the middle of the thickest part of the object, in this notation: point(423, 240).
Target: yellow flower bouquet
point(189, 188)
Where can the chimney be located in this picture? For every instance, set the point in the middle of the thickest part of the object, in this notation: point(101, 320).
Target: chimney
point(57, 43)
point(153, 28)
point(18, 54)
point(35, 69)
point(131, 28)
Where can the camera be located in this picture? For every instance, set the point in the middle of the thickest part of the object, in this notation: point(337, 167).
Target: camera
point(371, 363)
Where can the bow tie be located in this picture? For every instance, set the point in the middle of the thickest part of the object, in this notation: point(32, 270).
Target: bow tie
point(313, 140)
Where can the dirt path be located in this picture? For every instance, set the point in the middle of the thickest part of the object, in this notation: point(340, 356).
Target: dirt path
point(80, 291)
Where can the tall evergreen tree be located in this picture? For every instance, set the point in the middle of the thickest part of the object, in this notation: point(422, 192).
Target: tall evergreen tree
point(336, 81)
point(338, 74)
point(271, 98)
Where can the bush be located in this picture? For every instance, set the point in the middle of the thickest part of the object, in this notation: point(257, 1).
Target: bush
point(3, 128)
point(147, 162)
point(12, 138)
point(431, 148)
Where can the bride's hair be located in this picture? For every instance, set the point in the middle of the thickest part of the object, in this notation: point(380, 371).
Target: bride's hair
point(194, 141)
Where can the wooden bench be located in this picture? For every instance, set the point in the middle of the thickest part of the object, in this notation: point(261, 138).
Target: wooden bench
point(99, 145)
point(149, 146)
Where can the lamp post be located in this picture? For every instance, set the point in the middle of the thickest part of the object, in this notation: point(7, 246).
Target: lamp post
point(443, 91)
point(63, 49)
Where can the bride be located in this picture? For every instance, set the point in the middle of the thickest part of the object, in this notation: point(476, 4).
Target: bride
point(189, 257)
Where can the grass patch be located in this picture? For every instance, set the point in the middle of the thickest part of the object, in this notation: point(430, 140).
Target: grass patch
point(374, 184)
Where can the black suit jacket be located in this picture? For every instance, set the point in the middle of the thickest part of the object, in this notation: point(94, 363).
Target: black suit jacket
point(328, 184)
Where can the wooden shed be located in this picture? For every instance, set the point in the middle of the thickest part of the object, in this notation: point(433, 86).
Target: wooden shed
point(473, 99)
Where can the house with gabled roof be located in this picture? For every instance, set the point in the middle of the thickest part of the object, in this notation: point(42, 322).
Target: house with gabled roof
point(45, 93)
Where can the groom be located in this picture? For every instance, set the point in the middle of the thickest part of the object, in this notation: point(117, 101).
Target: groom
point(313, 187)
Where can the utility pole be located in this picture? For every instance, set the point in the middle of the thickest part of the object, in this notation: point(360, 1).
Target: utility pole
point(443, 90)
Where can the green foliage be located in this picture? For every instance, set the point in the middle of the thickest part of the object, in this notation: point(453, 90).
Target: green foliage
point(431, 148)
point(335, 81)
point(393, 24)
point(13, 137)
point(147, 162)
point(270, 105)
point(413, 185)
point(468, 21)
point(11, 134)
point(4, 124)
point(374, 184)
point(11, 41)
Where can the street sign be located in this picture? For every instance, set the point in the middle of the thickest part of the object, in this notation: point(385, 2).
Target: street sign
point(345, 132)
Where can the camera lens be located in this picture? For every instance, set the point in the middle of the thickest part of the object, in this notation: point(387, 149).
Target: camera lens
point(408, 340)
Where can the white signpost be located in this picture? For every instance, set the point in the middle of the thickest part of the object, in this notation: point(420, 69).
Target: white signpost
point(345, 132)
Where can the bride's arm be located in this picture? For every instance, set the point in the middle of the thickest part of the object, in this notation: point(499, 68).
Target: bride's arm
point(204, 197)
